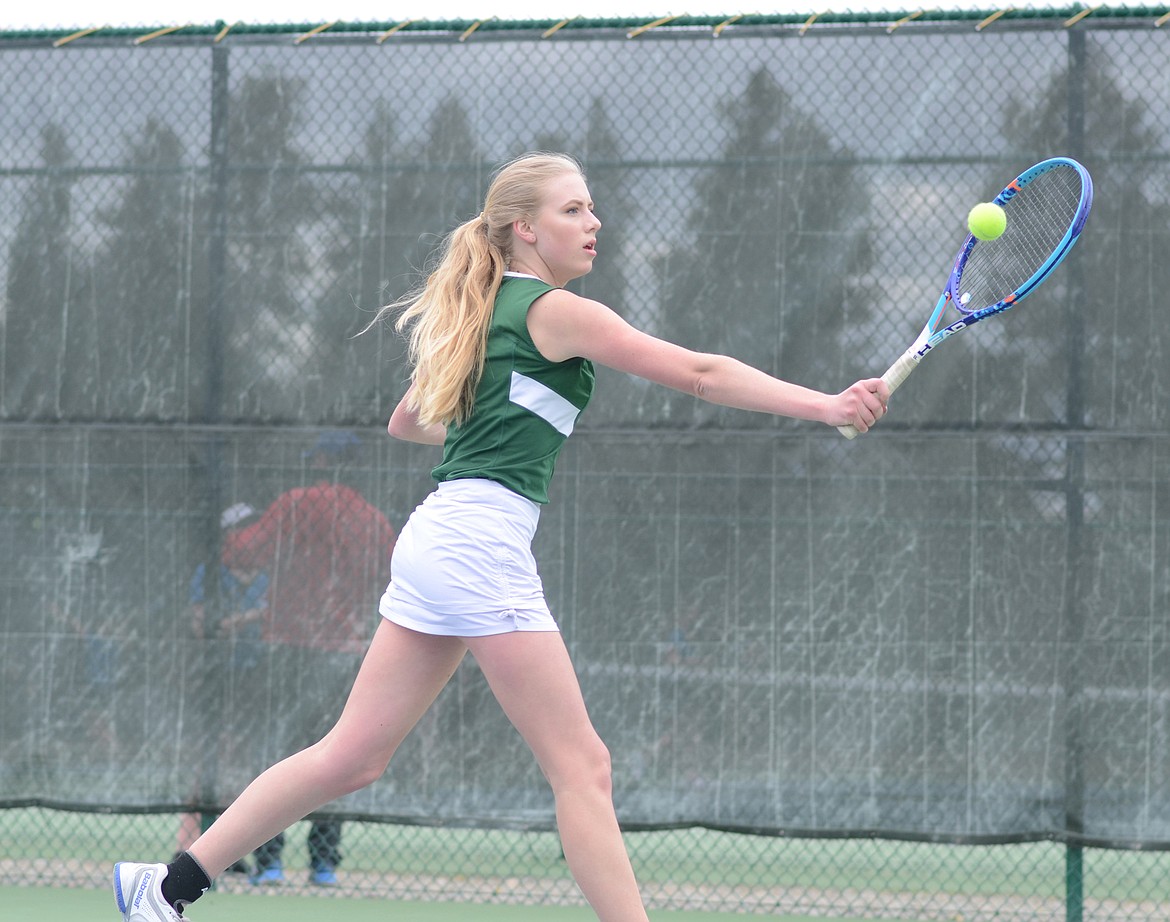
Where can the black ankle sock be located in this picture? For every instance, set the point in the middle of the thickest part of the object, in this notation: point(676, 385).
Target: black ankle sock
point(185, 882)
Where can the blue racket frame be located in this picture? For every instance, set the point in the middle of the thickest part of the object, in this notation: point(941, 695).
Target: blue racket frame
point(931, 335)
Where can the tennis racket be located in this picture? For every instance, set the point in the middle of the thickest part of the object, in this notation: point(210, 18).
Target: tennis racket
point(1046, 208)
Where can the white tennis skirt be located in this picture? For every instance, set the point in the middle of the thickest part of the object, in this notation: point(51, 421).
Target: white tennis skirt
point(463, 564)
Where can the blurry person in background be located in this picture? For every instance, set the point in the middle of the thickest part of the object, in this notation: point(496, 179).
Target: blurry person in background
point(326, 551)
point(236, 615)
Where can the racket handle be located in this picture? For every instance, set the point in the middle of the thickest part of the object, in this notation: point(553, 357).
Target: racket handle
point(894, 376)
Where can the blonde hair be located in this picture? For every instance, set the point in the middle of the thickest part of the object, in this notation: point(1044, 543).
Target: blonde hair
point(450, 316)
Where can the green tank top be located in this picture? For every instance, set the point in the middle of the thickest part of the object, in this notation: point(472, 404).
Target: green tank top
point(525, 406)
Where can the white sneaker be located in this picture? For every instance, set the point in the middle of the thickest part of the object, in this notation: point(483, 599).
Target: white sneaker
point(138, 893)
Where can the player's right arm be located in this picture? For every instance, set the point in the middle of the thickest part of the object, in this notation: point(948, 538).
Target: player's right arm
point(564, 325)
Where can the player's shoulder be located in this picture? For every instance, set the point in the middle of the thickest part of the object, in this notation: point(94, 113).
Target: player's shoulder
point(563, 300)
point(565, 325)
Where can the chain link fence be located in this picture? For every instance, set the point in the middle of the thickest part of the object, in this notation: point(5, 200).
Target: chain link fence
point(922, 675)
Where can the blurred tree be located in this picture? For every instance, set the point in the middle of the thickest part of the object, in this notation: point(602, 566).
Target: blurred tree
point(441, 183)
point(1116, 277)
point(357, 251)
point(361, 372)
point(271, 355)
point(386, 224)
point(150, 289)
point(1090, 351)
point(778, 242)
point(47, 275)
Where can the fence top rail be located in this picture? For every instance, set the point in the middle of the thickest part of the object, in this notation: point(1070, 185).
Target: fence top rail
point(811, 23)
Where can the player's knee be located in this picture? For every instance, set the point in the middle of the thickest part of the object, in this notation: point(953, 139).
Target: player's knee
point(364, 774)
point(589, 768)
point(602, 778)
point(348, 771)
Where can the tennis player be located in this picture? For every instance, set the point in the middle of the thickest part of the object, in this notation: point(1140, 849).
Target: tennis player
point(503, 366)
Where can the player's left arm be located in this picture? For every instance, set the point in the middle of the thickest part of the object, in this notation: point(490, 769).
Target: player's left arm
point(404, 424)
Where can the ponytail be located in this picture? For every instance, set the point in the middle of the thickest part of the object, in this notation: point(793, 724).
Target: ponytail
point(448, 339)
point(450, 317)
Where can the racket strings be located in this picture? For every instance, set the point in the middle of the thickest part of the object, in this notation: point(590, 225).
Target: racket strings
point(1037, 220)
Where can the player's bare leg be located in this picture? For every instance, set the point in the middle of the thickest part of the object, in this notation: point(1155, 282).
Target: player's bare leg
point(402, 674)
point(533, 679)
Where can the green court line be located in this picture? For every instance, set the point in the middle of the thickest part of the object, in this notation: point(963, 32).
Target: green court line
point(57, 905)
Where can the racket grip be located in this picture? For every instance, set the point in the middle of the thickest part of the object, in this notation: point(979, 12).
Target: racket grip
point(894, 376)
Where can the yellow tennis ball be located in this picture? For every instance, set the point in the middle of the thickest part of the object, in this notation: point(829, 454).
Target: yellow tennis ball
point(987, 221)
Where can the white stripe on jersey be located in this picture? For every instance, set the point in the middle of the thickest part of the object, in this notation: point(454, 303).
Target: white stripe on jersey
point(544, 402)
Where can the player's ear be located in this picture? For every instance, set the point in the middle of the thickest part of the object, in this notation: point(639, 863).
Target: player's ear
point(523, 230)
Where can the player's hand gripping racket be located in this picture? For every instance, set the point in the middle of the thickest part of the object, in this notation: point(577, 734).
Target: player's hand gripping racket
point(1046, 208)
